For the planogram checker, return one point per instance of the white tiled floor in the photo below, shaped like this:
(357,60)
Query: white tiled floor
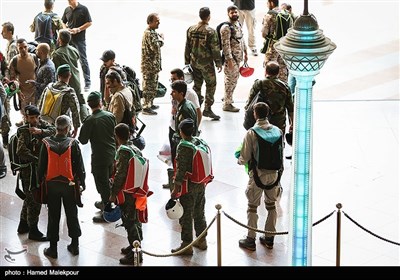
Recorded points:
(355,140)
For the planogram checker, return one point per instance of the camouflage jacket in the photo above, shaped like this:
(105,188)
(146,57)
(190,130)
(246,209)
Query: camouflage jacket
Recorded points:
(151,52)
(28,147)
(202,47)
(233,44)
(122,158)
(278,95)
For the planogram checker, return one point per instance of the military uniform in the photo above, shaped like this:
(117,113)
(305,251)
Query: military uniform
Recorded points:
(129,215)
(268,29)
(28,149)
(279,99)
(69,102)
(99,129)
(61,190)
(201,52)
(69,55)
(150,64)
(233,47)
(185,110)
(193,202)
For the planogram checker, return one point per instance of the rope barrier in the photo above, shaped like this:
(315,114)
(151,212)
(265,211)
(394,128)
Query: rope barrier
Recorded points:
(255,229)
(370,232)
(324,218)
(185,248)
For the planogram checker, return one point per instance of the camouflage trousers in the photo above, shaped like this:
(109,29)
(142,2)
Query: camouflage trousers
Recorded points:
(193,204)
(130,220)
(283,71)
(230,81)
(5,124)
(149,85)
(30,208)
(207,75)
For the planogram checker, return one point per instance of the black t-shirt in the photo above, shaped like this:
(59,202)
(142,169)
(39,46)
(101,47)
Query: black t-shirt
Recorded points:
(75,18)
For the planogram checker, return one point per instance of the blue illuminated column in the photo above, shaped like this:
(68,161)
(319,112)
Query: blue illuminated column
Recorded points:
(304,50)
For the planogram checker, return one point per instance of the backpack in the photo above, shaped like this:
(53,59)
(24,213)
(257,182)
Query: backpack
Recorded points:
(284,21)
(269,154)
(202,172)
(15,161)
(50,103)
(136,184)
(133,83)
(249,119)
(233,33)
(44,28)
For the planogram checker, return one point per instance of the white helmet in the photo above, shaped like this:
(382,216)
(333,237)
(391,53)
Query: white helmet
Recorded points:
(174,209)
(188,73)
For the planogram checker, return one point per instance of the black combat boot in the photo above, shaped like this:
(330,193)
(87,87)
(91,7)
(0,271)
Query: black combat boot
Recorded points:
(51,251)
(73,248)
(207,112)
(23,227)
(35,234)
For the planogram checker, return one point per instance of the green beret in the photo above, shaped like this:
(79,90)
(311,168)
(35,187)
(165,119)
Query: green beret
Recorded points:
(31,110)
(63,68)
(93,96)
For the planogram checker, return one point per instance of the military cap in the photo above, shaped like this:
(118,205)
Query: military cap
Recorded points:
(63,68)
(186,126)
(108,55)
(31,110)
(93,96)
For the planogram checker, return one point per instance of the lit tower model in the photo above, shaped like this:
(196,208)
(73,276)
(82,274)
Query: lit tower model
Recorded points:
(304,50)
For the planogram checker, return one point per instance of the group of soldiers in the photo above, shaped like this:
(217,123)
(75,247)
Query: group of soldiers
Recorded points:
(202,53)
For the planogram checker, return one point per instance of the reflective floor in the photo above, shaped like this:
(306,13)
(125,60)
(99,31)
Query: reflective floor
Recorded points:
(355,145)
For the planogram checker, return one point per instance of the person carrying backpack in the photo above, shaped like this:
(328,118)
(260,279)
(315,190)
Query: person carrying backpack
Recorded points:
(267,168)
(191,193)
(62,172)
(235,52)
(46,24)
(28,147)
(60,99)
(274,26)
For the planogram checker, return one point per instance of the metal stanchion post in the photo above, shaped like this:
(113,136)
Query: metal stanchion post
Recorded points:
(218,207)
(338,227)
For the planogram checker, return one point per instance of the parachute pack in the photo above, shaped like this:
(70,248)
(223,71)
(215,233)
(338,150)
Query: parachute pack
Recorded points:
(136,183)
(269,154)
(50,104)
(284,21)
(202,172)
(44,28)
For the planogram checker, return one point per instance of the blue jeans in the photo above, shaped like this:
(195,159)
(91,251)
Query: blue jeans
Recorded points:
(81,47)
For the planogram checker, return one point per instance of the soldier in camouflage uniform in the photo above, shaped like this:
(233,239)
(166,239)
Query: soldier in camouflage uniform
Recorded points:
(185,110)
(129,216)
(279,97)
(233,48)
(193,202)
(268,29)
(151,63)
(69,99)
(201,52)
(30,138)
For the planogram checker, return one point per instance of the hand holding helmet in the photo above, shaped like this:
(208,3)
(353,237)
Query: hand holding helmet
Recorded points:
(245,70)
